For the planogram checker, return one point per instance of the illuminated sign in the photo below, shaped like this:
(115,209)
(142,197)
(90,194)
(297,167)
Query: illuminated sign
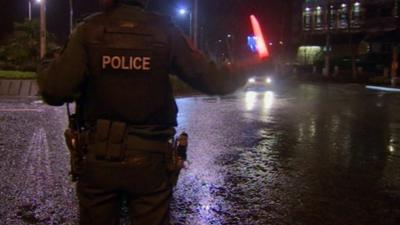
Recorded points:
(259,38)
(252,43)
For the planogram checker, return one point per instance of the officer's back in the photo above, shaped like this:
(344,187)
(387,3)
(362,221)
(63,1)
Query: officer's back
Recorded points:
(117,66)
(129,60)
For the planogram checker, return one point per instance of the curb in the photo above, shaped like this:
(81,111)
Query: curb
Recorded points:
(382,88)
(19,88)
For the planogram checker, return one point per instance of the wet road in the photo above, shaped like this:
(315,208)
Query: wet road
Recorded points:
(300,154)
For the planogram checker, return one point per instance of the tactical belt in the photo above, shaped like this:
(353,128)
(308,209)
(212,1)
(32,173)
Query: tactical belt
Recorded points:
(110,141)
(135,143)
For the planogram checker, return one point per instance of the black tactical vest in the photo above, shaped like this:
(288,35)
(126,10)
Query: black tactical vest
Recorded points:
(129,71)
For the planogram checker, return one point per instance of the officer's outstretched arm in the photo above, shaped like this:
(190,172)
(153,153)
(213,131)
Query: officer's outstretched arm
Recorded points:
(62,79)
(190,65)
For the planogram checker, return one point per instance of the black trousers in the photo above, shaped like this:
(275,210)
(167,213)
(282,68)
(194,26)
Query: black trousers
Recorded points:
(142,178)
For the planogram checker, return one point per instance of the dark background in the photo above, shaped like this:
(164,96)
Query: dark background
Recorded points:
(217,18)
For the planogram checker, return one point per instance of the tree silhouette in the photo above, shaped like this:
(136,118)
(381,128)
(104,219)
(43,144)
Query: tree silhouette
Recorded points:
(21,49)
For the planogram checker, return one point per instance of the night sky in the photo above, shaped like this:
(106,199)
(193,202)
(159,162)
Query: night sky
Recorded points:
(217,17)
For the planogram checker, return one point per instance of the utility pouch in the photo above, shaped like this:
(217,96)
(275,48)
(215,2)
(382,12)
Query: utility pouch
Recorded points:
(116,149)
(102,135)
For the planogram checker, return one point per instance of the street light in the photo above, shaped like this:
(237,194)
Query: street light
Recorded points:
(193,20)
(229,40)
(30,8)
(183,12)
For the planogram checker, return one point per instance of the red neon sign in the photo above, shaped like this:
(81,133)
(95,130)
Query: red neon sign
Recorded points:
(261,46)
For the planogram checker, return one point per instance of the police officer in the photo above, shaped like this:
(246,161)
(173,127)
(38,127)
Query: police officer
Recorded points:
(116,66)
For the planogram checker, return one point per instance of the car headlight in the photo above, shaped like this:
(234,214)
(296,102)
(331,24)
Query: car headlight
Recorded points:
(252,80)
(268,80)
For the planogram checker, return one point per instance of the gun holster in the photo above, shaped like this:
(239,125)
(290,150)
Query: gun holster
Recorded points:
(76,143)
(175,162)
(171,159)
(109,144)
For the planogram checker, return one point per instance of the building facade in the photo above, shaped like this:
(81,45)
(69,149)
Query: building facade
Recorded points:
(347,28)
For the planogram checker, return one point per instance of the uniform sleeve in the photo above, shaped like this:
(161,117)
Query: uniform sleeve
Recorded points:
(191,66)
(62,79)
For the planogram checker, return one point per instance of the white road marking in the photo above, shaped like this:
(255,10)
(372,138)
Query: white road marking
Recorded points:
(21,110)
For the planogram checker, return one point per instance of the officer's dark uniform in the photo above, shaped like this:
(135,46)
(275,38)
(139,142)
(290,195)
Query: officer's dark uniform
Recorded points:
(117,64)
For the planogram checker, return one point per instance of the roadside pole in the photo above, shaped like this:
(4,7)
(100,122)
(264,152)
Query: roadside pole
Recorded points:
(71,16)
(195,22)
(30,10)
(327,39)
(42,28)
(395,65)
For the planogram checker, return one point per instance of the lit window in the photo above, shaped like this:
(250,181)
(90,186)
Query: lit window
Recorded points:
(307,19)
(332,17)
(343,16)
(356,15)
(318,20)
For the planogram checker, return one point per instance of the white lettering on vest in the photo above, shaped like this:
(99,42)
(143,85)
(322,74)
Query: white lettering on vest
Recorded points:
(137,63)
(125,67)
(126,63)
(146,63)
(116,62)
(106,60)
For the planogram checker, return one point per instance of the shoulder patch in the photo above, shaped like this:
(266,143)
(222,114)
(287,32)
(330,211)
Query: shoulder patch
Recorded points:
(127,24)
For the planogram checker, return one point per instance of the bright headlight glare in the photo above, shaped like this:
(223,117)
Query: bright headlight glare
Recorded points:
(252,80)
(268,80)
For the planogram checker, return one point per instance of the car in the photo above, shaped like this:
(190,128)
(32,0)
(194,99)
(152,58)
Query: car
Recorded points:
(259,82)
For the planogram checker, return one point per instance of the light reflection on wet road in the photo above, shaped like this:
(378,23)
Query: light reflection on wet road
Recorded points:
(300,154)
